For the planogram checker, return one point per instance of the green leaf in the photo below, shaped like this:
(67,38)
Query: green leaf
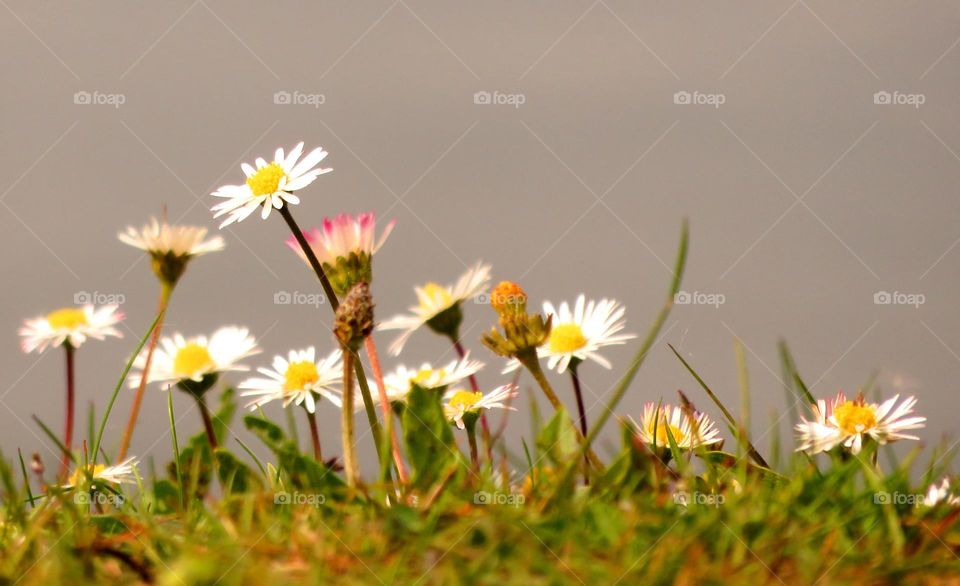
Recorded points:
(429,439)
(235,476)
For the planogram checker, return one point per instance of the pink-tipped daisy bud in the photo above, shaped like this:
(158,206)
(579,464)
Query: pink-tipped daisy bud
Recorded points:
(354,319)
(508,297)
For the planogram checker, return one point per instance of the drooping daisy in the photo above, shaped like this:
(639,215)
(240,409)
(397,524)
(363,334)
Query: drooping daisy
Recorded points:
(297,379)
(847,422)
(345,247)
(121,473)
(461,402)
(72,325)
(941,493)
(159,239)
(439,306)
(688,433)
(180,359)
(269,185)
(580,333)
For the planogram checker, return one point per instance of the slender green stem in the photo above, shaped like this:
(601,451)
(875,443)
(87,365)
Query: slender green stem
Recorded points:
(207,422)
(71,399)
(166,289)
(472,439)
(315,435)
(176,448)
(346,426)
(575,377)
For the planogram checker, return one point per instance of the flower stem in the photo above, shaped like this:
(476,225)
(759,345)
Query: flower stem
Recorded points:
(207,422)
(472,439)
(374,358)
(484,425)
(165,291)
(68,423)
(315,436)
(575,377)
(346,427)
(334,304)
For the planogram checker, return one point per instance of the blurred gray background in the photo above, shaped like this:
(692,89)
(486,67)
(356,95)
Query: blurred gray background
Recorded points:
(808,192)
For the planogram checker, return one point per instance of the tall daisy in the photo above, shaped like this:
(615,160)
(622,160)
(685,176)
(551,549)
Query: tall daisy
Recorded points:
(269,185)
(344,246)
(689,433)
(298,379)
(69,327)
(194,364)
(171,247)
(438,307)
(848,423)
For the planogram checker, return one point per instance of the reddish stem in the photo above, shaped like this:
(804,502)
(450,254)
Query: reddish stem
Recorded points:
(374,358)
(315,436)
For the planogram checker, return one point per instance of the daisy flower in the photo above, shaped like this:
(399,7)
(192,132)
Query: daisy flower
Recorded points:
(938,493)
(688,433)
(345,247)
(121,473)
(269,185)
(460,402)
(438,306)
(296,379)
(178,359)
(401,381)
(845,423)
(71,325)
(170,239)
(579,333)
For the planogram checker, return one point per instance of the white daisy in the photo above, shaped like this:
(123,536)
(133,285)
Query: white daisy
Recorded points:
(401,381)
(460,402)
(179,359)
(72,325)
(688,433)
(941,493)
(435,302)
(297,379)
(341,236)
(121,473)
(580,333)
(160,239)
(269,185)
(845,423)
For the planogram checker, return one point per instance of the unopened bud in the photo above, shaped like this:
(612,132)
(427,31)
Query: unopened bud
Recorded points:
(354,319)
(508,297)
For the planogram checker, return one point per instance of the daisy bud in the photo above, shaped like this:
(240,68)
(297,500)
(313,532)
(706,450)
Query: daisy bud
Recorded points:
(508,298)
(354,318)
(36,465)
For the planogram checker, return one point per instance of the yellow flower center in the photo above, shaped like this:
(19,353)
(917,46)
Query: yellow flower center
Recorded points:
(854,417)
(566,338)
(190,359)
(425,374)
(67,319)
(80,474)
(663,439)
(435,295)
(300,375)
(266,180)
(465,399)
